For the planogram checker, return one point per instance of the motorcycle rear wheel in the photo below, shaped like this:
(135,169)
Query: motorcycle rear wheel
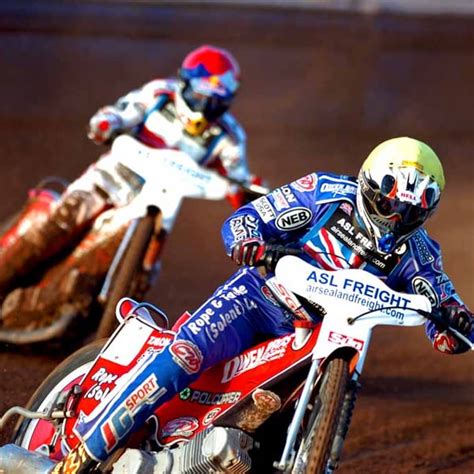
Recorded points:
(69,372)
(327,405)
(129,266)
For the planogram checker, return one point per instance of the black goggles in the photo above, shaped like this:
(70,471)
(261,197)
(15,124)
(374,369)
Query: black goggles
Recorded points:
(211,106)
(409,216)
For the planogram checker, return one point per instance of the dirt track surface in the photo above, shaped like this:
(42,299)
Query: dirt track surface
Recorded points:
(319,91)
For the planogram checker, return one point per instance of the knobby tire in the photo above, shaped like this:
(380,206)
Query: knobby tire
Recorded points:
(49,385)
(322,426)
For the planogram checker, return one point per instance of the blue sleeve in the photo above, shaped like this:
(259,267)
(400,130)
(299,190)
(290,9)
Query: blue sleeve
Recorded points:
(286,213)
(423,274)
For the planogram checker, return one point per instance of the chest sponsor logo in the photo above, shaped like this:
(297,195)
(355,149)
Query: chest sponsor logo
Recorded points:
(294,218)
(264,209)
(422,286)
(342,228)
(306,183)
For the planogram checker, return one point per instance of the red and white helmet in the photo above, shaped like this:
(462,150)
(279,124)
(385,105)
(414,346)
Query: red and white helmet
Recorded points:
(210,78)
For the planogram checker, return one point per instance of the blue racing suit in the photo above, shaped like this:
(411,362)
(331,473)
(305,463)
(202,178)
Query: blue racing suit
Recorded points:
(316,213)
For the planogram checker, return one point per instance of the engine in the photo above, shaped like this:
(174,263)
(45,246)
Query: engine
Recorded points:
(214,450)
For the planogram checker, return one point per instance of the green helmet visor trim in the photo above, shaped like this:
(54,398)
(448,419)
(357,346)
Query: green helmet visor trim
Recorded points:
(407,152)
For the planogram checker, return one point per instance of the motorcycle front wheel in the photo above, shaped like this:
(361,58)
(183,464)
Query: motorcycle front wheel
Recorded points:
(326,408)
(30,434)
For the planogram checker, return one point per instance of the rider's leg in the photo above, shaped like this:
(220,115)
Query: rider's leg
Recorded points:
(42,240)
(225,325)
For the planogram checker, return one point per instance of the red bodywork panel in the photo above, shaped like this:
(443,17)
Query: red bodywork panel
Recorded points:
(208,399)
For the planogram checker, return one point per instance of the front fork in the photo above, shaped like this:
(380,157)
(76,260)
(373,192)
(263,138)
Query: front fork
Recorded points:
(288,457)
(150,260)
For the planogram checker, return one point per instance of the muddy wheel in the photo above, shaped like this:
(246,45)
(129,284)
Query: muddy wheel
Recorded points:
(30,434)
(130,265)
(326,408)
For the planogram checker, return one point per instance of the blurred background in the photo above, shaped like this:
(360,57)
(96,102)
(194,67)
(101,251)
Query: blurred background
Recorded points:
(323,83)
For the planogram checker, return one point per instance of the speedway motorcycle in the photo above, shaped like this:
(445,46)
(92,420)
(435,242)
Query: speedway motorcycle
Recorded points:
(130,237)
(283,405)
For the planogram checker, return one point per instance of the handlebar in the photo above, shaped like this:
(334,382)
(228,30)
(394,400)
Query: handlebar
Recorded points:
(255,190)
(436,317)
(274,252)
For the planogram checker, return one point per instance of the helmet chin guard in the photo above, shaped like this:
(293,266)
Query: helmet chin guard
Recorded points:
(193,122)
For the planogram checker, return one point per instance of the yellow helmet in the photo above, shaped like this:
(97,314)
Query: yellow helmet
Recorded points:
(400,184)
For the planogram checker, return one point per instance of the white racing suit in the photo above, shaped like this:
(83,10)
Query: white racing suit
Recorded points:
(149,114)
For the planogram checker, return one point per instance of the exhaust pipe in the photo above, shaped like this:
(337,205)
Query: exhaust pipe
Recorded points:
(16,460)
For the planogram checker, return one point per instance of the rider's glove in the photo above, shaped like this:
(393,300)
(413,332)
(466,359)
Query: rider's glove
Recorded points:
(103,126)
(460,319)
(248,252)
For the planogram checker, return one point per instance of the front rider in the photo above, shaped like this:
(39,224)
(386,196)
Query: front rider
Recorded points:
(188,113)
(374,222)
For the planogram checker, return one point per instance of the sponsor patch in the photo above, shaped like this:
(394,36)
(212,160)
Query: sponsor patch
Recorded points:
(208,398)
(422,249)
(306,183)
(338,188)
(143,394)
(267,293)
(343,340)
(421,286)
(103,381)
(187,355)
(264,208)
(347,208)
(244,227)
(210,415)
(279,200)
(274,350)
(184,426)
(159,342)
(293,219)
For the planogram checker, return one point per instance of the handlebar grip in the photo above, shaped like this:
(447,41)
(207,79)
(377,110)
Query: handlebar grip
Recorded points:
(273,253)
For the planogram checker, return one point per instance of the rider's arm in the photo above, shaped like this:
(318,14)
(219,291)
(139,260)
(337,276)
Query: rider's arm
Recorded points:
(425,275)
(229,156)
(127,113)
(282,216)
